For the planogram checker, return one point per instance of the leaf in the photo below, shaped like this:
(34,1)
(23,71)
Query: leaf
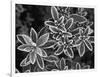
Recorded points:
(56,46)
(84,13)
(62,28)
(75,31)
(50,66)
(81,49)
(81,31)
(44,54)
(17,71)
(70,42)
(43,31)
(59,50)
(54,13)
(40,62)
(39,69)
(33,57)
(62,63)
(88,44)
(41,52)
(90,23)
(66,68)
(43,39)
(25,61)
(26,38)
(33,35)
(21,39)
(78,42)
(78,66)
(65,20)
(76,37)
(68,34)
(28,59)
(86,31)
(86,67)
(80,10)
(61,20)
(91,39)
(25,47)
(78,18)
(66,40)
(51,58)
(69,23)
(49,44)
(55,35)
(27,71)
(35,69)
(58,37)
(58,64)
(54,29)
(90,30)
(74,26)
(49,23)
(69,52)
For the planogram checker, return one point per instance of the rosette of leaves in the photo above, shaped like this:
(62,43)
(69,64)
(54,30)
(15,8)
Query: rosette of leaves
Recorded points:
(59,29)
(56,20)
(83,39)
(66,47)
(60,32)
(35,46)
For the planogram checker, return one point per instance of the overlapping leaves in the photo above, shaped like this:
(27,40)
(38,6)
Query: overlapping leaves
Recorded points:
(84,40)
(63,37)
(34,46)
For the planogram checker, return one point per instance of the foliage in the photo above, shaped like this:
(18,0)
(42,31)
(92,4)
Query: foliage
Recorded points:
(62,37)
